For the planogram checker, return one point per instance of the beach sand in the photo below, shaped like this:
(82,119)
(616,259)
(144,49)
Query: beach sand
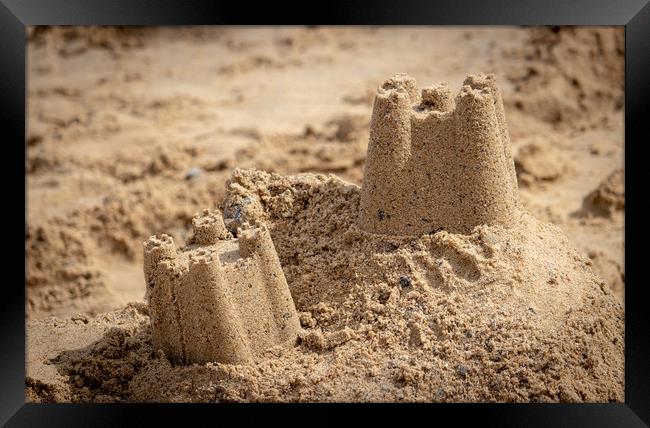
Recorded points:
(133,131)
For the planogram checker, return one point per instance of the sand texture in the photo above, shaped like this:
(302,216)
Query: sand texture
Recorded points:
(416,271)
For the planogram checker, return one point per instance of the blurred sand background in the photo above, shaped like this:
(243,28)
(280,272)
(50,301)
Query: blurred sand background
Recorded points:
(133,130)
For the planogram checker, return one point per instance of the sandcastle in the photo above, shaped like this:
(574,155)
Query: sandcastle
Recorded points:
(437,163)
(496,306)
(433,163)
(219,299)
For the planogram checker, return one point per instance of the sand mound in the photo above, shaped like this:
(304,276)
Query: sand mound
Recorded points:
(569,72)
(608,198)
(83,358)
(496,315)
(538,163)
(433,288)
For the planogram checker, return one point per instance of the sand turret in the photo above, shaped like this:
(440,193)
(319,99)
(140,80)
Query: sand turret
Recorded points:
(435,162)
(218,299)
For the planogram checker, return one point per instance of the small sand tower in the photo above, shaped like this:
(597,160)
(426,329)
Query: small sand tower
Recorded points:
(219,298)
(434,162)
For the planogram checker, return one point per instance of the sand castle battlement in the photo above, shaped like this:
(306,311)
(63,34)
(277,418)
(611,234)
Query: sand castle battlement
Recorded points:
(435,162)
(219,298)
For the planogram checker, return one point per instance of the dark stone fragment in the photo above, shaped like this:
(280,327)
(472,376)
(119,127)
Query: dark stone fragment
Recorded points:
(405,281)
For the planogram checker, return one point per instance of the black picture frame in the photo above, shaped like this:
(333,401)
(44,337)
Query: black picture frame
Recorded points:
(15,15)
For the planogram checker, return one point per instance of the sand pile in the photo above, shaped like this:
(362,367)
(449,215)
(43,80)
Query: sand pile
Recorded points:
(474,308)
(608,198)
(572,77)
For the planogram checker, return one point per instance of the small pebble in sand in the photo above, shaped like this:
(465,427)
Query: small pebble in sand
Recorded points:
(193,173)
(461,370)
(404,281)
(236,214)
(391,247)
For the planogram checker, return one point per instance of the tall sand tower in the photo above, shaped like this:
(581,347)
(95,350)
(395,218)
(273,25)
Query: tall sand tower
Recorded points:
(435,162)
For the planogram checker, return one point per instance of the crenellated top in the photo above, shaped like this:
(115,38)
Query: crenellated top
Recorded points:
(399,96)
(209,228)
(218,298)
(438,162)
